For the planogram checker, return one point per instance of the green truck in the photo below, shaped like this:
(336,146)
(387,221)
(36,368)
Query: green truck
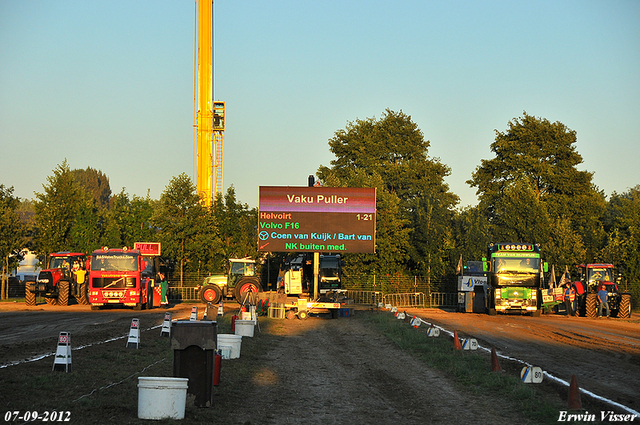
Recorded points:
(514,272)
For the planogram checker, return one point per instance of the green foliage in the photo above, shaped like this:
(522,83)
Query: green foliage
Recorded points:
(95,183)
(10,233)
(56,210)
(622,248)
(533,184)
(182,222)
(128,220)
(414,205)
(237,230)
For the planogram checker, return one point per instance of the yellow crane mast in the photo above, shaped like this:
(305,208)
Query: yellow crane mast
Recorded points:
(209,118)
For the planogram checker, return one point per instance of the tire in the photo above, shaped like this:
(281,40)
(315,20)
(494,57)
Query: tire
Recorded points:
(81,297)
(290,314)
(29,297)
(63,292)
(590,306)
(51,301)
(303,315)
(211,294)
(624,311)
(247,286)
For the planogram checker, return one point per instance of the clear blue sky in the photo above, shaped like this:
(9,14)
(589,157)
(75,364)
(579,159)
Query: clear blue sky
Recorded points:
(109,84)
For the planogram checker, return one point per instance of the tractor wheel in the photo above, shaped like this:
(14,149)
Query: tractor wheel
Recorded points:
(30,297)
(63,293)
(51,301)
(590,306)
(303,315)
(246,289)
(81,297)
(211,294)
(624,311)
(290,314)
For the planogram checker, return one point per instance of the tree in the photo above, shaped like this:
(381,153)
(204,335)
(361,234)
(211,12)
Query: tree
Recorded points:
(128,220)
(392,155)
(56,211)
(96,183)
(237,230)
(533,182)
(622,224)
(181,220)
(10,233)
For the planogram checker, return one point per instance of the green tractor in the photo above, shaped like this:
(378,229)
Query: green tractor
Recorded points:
(240,283)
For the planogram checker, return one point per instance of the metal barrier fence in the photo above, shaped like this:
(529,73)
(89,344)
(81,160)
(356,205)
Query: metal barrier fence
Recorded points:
(182,293)
(417,299)
(411,299)
(443,299)
(365,297)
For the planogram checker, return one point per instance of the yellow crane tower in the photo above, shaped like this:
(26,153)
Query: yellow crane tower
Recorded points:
(208,115)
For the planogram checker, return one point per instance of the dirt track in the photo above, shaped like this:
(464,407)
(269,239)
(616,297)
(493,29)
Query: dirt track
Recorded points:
(340,371)
(604,354)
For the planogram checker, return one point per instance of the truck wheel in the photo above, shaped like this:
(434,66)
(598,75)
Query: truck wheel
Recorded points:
(82,296)
(590,306)
(63,293)
(246,287)
(211,294)
(29,297)
(624,312)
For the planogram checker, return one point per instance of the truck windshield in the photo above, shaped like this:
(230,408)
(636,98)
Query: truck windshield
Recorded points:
(59,263)
(600,274)
(508,265)
(115,262)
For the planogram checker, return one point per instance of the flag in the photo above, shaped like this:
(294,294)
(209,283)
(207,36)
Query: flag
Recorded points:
(459,268)
(552,277)
(565,276)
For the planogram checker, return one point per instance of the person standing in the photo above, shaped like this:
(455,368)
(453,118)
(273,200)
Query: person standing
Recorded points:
(163,289)
(570,299)
(602,297)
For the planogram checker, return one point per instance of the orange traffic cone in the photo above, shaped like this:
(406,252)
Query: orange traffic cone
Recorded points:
(575,402)
(495,365)
(456,341)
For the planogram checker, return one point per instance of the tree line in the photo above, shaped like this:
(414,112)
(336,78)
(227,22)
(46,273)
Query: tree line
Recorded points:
(530,191)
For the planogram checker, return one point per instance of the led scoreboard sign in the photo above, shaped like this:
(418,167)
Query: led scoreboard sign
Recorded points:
(317,219)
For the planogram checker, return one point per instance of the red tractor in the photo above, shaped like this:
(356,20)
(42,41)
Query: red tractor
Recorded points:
(591,277)
(64,278)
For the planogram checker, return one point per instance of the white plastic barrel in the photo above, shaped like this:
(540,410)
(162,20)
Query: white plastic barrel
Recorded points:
(233,341)
(161,398)
(245,327)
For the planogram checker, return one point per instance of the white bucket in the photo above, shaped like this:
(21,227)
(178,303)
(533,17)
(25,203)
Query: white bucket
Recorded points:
(160,398)
(233,341)
(245,327)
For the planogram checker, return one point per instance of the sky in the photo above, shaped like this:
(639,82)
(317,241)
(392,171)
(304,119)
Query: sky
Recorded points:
(109,85)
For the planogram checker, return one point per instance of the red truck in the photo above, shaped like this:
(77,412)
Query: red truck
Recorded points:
(123,276)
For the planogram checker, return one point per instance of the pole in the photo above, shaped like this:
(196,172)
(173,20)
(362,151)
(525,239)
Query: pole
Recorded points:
(316,268)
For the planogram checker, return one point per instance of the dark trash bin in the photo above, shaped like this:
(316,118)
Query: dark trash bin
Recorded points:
(194,345)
